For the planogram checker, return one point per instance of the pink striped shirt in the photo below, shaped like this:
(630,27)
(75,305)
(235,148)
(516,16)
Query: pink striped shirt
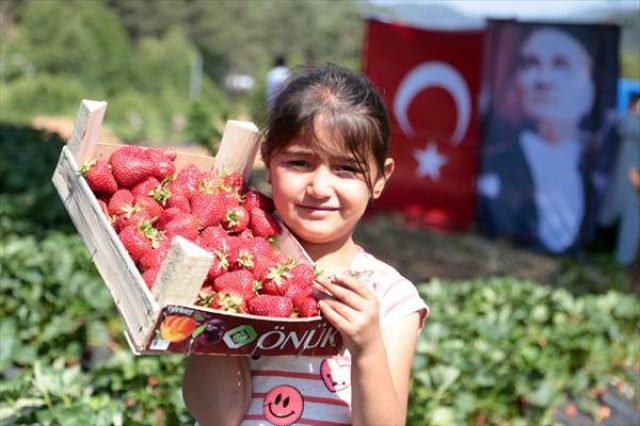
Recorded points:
(317,391)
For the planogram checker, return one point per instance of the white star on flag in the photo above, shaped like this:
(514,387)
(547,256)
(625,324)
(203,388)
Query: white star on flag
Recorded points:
(429,161)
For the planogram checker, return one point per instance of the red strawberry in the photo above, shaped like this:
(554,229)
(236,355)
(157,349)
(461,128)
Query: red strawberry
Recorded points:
(253,199)
(271,306)
(131,218)
(210,183)
(120,202)
(233,180)
(236,220)
(131,165)
(205,295)
(302,274)
(229,301)
(164,166)
(178,200)
(263,224)
(99,176)
(240,280)
(148,204)
(166,216)
(146,187)
(149,276)
(208,209)
(183,224)
(243,260)
(213,237)
(103,207)
(219,265)
(277,281)
(307,307)
(187,180)
(139,239)
(298,293)
(153,258)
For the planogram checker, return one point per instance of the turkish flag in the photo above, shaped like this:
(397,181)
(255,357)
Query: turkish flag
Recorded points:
(430,81)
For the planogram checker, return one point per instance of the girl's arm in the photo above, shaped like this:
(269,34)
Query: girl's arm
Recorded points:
(217,389)
(381,360)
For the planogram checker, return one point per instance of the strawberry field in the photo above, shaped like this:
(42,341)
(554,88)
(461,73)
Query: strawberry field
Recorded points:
(494,350)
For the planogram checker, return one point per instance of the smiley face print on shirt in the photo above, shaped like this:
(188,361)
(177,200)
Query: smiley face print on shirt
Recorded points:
(336,374)
(283,405)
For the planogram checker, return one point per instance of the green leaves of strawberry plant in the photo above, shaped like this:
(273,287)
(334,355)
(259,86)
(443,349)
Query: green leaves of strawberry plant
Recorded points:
(507,351)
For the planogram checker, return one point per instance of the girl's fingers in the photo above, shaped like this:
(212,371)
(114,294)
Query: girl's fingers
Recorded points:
(344,285)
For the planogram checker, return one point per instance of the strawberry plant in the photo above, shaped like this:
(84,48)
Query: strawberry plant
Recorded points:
(506,351)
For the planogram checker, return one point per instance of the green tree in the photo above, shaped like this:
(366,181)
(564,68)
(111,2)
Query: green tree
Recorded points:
(83,39)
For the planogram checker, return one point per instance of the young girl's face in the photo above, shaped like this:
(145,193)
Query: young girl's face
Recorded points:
(320,197)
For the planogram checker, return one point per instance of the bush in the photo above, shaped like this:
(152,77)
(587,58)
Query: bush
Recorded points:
(507,351)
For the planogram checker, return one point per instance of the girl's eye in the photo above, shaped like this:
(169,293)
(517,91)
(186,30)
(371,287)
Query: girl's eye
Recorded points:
(297,163)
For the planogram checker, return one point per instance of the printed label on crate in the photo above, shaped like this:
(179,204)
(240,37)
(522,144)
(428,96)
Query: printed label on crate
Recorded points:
(199,331)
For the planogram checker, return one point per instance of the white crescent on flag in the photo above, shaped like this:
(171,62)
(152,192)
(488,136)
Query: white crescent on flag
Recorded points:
(434,74)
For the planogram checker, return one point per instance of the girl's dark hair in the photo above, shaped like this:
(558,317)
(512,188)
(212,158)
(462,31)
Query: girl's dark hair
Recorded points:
(350,107)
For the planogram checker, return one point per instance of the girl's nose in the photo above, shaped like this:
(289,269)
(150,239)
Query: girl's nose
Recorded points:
(320,183)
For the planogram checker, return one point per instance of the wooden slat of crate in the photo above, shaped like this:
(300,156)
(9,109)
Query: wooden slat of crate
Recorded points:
(130,294)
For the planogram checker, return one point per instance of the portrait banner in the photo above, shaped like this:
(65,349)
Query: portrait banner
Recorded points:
(430,81)
(548,131)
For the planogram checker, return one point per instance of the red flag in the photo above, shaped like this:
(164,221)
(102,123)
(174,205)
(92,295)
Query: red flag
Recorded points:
(430,81)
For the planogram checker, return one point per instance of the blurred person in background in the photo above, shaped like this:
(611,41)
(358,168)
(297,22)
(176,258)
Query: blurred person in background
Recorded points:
(533,184)
(276,77)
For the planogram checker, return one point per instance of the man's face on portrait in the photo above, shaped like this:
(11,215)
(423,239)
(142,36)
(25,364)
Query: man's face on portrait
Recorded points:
(554,77)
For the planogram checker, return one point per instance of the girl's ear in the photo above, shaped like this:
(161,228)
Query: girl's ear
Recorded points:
(378,186)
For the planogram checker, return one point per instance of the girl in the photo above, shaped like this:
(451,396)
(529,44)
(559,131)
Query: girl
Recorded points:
(325,150)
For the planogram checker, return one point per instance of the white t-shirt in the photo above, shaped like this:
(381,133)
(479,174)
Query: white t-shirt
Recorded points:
(316,390)
(275,78)
(559,194)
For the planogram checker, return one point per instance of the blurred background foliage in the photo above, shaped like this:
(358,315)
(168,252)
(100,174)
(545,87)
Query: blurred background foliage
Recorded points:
(160,64)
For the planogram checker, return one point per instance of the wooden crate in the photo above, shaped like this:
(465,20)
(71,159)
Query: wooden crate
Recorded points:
(165,320)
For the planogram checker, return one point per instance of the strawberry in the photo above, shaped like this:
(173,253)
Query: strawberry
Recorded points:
(103,207)
(187,180)
(183,224)
(270,306)
(153,258)
(263,224)
(149,276)
(213,237)
(205,295)
(178,200)
(229,301)
(148,204)
(243,260)
(146,187)
(139,239)
(277,281)
(120,202)
(208,209)
(302,274)
(236,220)
(253,199)
(210,183)
(233,180)
(163,164)
(307,307)
(166,216)
(99,176)
(133,217)
(219,265)
(241,281)
(131,165)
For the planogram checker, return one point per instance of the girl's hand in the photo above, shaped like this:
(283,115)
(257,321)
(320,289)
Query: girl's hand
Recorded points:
(353,310)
